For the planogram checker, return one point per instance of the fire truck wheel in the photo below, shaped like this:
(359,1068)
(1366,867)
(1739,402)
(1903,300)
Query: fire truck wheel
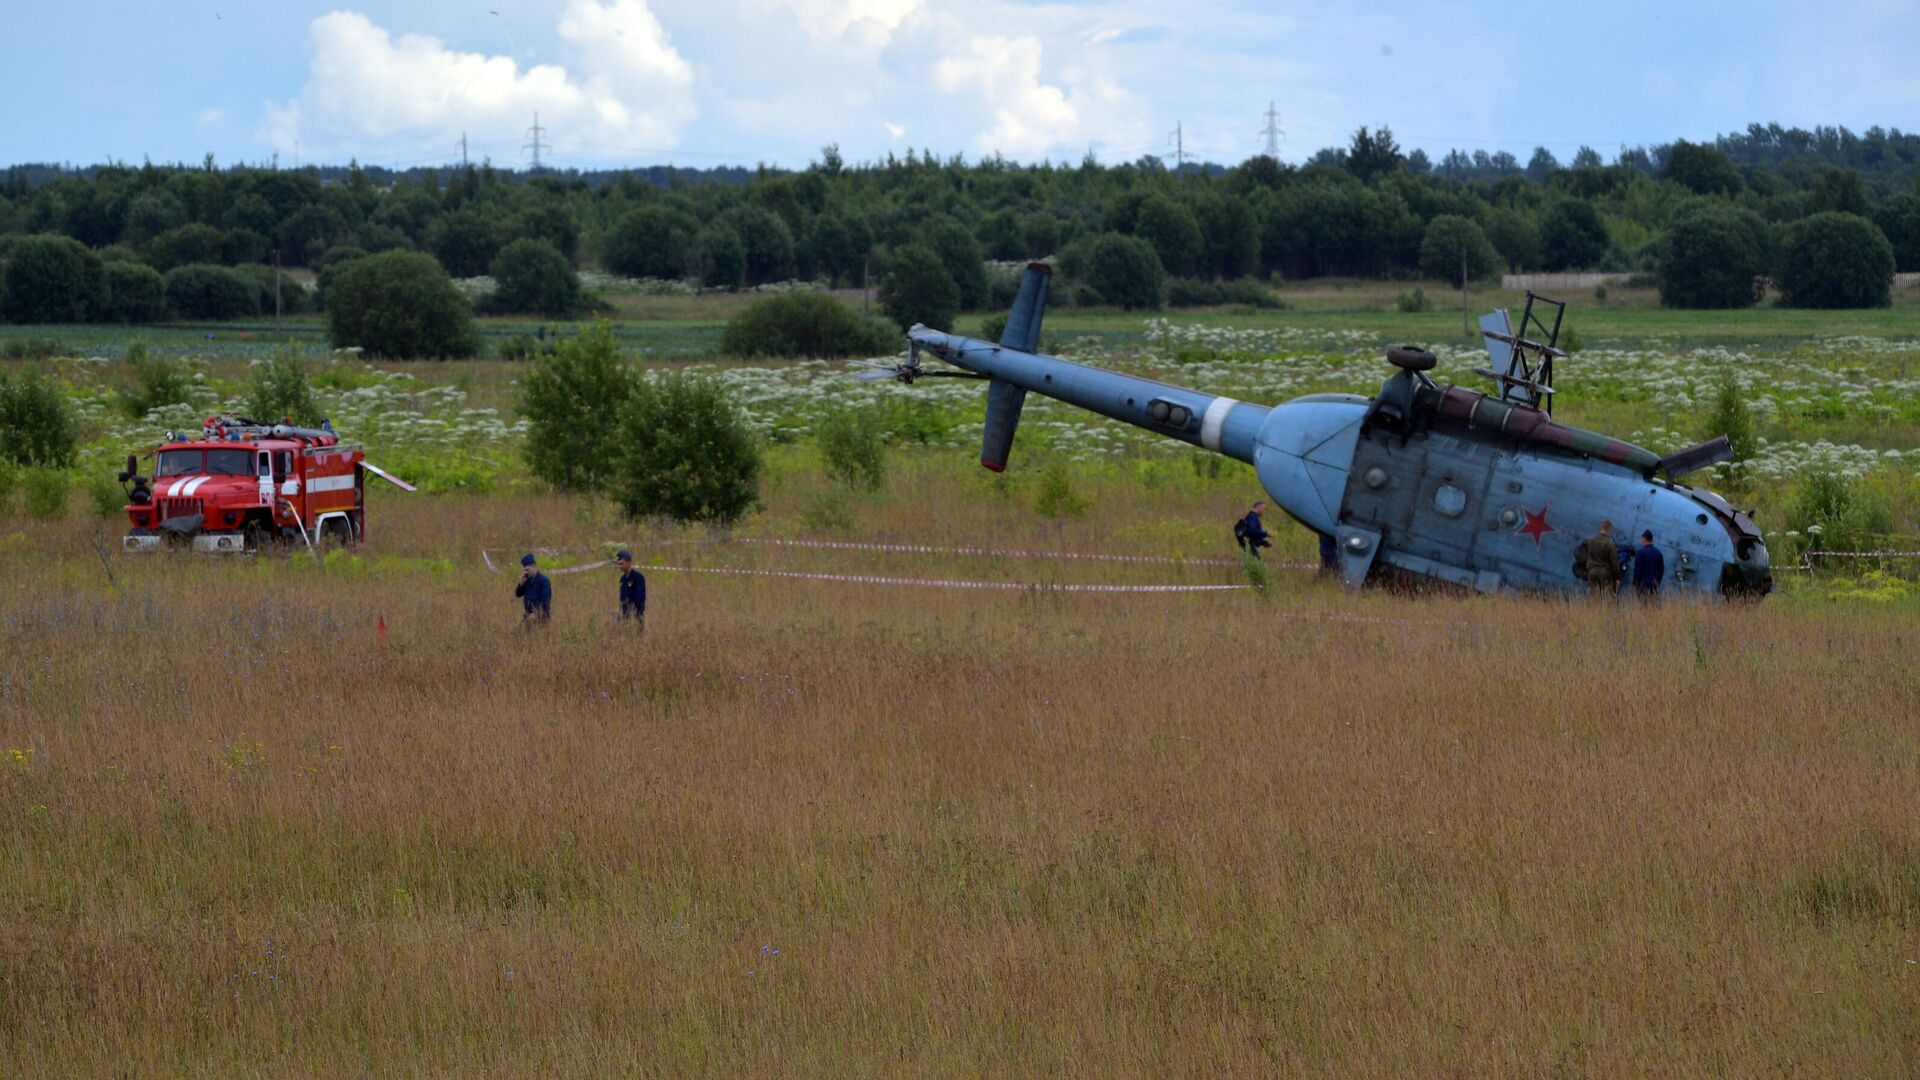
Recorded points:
(335,533)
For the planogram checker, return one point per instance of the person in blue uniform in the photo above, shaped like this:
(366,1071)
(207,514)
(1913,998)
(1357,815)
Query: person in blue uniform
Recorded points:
(1649,567)
(535,592)
(1251,534)
(633,591)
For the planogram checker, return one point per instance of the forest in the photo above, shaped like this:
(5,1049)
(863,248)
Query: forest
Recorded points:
(1824,218)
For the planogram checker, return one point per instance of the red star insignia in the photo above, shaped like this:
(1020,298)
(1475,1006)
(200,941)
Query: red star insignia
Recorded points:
(1536,525)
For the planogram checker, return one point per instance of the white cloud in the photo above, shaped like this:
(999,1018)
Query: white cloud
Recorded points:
(872,21)
(366,86)
(1029,116)
(895,131)
(212,118)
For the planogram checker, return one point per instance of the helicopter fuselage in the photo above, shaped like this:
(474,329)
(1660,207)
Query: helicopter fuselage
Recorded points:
(1433,481)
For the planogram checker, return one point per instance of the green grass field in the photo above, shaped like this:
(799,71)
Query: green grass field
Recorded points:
(810,826)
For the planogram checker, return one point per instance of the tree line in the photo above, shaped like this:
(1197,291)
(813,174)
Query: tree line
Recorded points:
(1821,214)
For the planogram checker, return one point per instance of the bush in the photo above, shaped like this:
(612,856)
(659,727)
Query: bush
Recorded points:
(187,245)
(917,288)
(854,448)
(1188,293)
(1836,516)
(37,426)
(32,348)
(1251,293)
(399,304)
(687,452)
(533,278)
(828,511)
(294,297)
(211,292)
(1836,260)
(46,493)
(810,324)
(1126,271)
(651,242)
(1730,417)
(526,347)
(135,293)
(331,263)
(1410,303)
(160,381)
(1713,257)
(53,279)
(572,399)
(1057,499)
(280,392)
(1448,236)
(106,498)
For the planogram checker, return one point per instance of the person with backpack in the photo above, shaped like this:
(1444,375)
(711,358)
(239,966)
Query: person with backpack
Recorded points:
(1249,533)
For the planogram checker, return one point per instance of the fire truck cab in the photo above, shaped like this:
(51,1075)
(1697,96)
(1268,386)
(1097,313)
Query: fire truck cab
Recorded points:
(241,485)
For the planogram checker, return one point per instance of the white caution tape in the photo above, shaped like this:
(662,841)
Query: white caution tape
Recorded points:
(927,549)
(995,553)
(938,583)
(584,567)
(1009,586)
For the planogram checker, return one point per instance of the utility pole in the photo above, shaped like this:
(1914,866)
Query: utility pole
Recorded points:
(1272,132)
(276,292)
(535,145)
(1466,321)
(1179,148)
(463,145)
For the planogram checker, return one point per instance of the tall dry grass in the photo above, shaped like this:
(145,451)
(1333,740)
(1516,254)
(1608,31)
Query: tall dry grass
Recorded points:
(813,829)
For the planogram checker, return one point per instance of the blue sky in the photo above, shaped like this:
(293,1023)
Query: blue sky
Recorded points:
(705,82)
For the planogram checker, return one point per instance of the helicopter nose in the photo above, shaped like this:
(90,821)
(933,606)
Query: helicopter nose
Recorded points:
(1303,455)
(1751,573)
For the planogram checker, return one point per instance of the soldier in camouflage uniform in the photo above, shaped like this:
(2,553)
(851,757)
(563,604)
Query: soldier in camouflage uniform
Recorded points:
(1600,558)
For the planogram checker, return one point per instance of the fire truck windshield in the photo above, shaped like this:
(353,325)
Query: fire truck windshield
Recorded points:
(234,462)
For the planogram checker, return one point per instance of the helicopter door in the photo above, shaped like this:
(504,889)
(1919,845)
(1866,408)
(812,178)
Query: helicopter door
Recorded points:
(1447,510)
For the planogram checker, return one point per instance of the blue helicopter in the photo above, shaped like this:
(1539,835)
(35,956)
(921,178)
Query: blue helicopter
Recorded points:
(1422,480)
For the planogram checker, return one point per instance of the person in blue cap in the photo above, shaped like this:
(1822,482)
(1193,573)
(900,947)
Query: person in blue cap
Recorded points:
(633,590)
(535,592)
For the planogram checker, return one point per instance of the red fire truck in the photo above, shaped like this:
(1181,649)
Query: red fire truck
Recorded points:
(242,485)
